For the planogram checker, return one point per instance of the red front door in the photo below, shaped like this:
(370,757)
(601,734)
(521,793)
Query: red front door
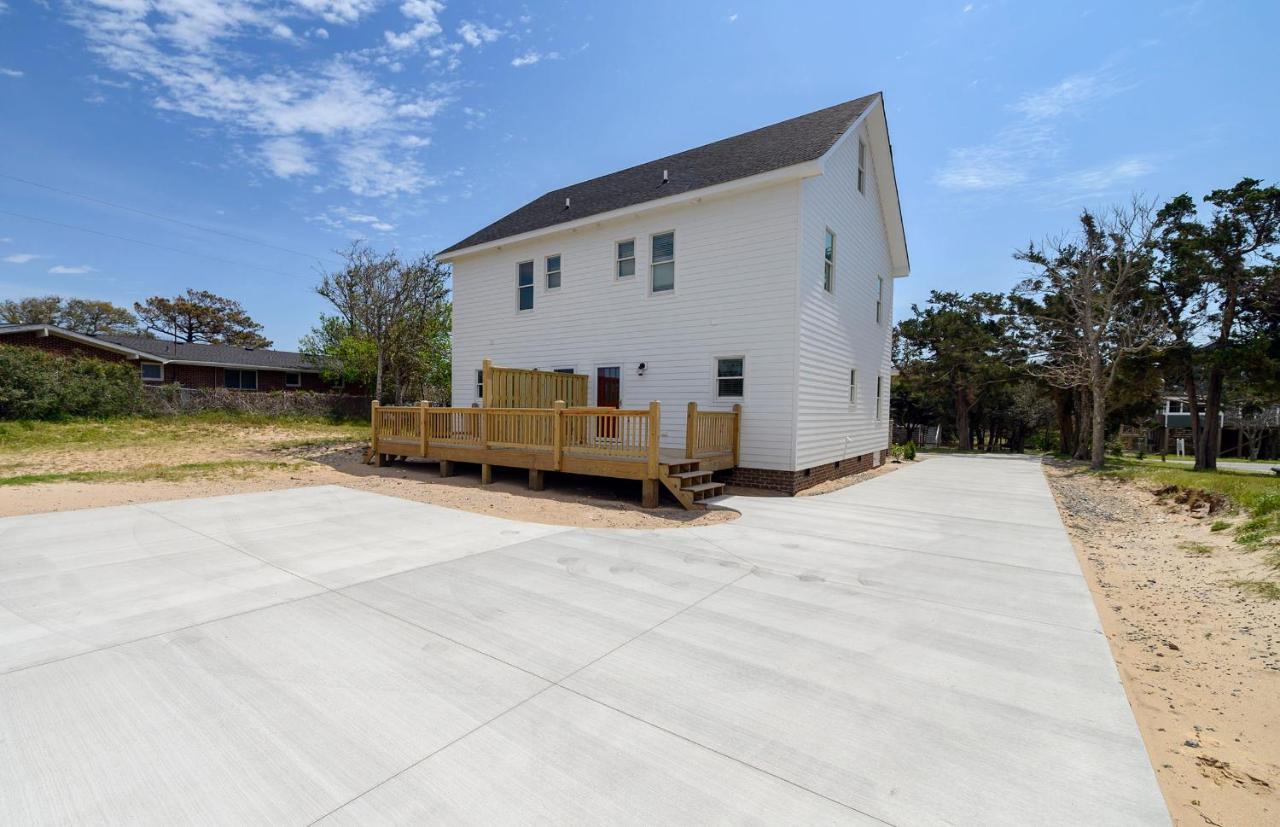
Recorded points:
(608,395)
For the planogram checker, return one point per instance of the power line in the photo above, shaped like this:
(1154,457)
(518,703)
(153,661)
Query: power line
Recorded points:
(148,243)
(158,216)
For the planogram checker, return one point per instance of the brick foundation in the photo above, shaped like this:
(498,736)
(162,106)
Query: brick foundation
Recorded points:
(792,482)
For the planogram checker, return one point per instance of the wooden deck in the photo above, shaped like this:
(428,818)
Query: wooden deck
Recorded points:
(604,442)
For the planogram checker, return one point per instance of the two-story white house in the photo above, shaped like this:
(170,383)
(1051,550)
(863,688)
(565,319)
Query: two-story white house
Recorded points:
(757,270)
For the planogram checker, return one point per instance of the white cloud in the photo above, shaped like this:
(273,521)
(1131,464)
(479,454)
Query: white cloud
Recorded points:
(282,31)
(1023,151)
(338,11)
(414,142)
(22,258)
(476,34)
(532,58)
(68,270)
(733,18)
(11,73)
(287,157)
(319,33)
(968,7)
(346,220)
(426,13)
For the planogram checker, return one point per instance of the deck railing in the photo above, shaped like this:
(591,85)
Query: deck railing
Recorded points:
(519,388)
(609,434)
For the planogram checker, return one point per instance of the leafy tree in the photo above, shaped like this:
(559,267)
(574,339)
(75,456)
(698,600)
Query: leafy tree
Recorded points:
(35,310)
(201,316)
(1087,310)
(957,344)
(396,310)
(92,316)
(1217,279)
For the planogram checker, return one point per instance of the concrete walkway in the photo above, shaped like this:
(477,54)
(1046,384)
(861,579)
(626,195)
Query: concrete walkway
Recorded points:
(917,649)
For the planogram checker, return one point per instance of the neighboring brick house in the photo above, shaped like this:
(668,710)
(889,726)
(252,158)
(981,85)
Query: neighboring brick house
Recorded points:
(189,365)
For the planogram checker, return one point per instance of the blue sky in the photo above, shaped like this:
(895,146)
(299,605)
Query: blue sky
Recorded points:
(248,139)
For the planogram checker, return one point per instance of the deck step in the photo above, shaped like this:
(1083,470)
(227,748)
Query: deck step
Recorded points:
(705,486)
(690,475)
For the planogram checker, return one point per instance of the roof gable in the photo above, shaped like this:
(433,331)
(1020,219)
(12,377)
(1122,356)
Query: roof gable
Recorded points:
(769,148)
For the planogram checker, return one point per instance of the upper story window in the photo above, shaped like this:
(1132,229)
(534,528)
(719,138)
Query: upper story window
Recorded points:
(879,299)
(879,396)
(829,261)
(524,285)
(245,380)
(293,380)
(479,385)
(553,272)
(730,376)
(662,265)
(862,166)
(853,386)
(626,258)
(152,372)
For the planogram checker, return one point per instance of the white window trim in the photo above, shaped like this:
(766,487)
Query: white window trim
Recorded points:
(289,384)
(715,378)
(672,291)
(829,286)
(479,385)
(146,378)
(547,271)
(634,259)
(880,300)
(533,284)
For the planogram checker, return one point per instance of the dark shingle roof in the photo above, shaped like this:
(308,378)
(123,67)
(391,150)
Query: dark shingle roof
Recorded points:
(216,354)
(762,150)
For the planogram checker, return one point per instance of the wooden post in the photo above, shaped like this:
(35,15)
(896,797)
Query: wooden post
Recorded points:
(690,430)
(649,493)
(373,433)
(655,435)
(737,433)
(422,429)
(446,468)
(537,479)
(486,380)
(557,437)
(486,473)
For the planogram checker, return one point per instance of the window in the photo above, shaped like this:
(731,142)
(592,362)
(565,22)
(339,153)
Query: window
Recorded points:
(853,386)
(879,395)
(152,372)
(479,385)
(293,380)
(879,299)
(563,370)
(862,166)
(524,286)
(244,380)
(729,378)
(553,272)
(662,264)
(829,261)
(626,258)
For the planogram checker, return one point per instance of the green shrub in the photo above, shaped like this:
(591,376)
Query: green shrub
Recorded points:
(1115,449)
(35,384)
(909,450)
(1141,454)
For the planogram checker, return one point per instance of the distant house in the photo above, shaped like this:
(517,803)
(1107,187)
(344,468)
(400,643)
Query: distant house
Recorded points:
(162,361)
(756,270)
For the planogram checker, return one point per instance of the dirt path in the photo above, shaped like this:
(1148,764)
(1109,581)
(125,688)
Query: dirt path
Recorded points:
(1200,659)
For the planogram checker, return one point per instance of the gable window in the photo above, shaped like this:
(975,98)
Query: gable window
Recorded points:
(152,372)
(626,256)
(243,380)
(293,380)
(829,261)
(879,395)
(853,386)
(662,265)
(862,166)
(879,299)
(553,272)
(524,286)
(730,376)
(479,385)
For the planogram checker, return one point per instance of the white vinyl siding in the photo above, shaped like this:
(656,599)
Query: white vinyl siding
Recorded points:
(553,272)
(738,270)
(625,258)
(662,262)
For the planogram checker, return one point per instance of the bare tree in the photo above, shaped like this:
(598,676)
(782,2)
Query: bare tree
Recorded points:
(393,304)
(1087,309)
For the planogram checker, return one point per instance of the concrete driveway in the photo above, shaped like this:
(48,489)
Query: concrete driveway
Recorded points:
(920,648)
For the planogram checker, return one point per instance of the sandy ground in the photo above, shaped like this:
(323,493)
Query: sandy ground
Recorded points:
(1200,659)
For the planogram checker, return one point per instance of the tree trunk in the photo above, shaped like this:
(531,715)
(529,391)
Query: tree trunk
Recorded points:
(377,386)
(1084,418)
(1098,453)
(1193,405)
(1066,428)
(1207,455)
(964,437)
